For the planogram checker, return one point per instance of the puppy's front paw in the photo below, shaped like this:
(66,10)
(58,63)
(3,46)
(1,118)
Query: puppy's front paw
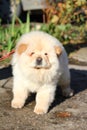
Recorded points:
(17,103)
(40,110)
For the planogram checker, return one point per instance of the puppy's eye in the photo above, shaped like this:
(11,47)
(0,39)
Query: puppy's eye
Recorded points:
(31,53)
(45,54)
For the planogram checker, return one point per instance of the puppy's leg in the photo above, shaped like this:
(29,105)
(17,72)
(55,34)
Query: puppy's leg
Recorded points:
(65,84)
(44,98)
(67,91)
(20,93)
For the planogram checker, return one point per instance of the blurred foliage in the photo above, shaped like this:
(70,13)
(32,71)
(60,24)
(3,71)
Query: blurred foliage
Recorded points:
(67,33)
(66,11)
(67,20)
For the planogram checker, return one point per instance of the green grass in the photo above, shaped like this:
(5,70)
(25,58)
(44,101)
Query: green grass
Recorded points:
(9,34)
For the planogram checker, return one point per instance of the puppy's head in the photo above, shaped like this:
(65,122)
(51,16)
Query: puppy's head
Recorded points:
(37,56)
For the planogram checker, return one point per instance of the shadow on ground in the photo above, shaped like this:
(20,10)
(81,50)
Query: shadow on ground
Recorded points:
(78,80)
(78,84)
(5,72)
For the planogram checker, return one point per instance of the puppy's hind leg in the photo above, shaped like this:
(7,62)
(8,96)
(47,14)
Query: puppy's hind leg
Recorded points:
(65,85)
(67,91)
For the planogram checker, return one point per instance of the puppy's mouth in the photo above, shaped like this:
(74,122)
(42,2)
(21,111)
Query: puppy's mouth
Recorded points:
(38,67)
(40,63)
(41,67)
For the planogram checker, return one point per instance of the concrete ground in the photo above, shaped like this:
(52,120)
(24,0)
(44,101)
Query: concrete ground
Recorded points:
(79,57)
(64,114)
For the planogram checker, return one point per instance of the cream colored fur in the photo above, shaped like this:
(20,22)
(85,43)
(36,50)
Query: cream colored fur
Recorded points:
(43,79)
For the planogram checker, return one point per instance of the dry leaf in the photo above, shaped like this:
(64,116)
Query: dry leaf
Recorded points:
(63,114)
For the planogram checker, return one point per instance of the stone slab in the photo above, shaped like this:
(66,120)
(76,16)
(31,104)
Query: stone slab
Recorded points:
(79,57)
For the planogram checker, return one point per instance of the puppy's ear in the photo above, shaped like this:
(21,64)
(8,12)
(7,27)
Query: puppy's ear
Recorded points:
(58,50)
(21,48)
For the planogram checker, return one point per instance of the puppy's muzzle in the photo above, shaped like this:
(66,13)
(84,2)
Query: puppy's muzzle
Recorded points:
(39,61)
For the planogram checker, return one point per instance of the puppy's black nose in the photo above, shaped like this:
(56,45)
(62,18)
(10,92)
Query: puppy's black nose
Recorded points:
(39,60)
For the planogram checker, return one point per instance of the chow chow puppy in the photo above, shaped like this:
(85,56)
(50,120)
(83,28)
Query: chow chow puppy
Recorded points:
(39,64)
